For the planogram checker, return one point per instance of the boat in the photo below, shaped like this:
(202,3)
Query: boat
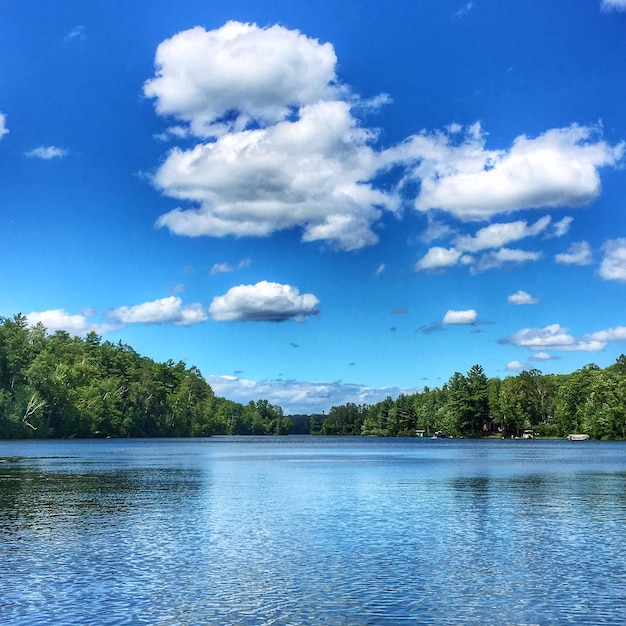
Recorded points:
(439,435)
(579,437)
(528,434)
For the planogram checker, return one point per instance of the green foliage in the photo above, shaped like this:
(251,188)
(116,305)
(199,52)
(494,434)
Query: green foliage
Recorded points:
(590,400)
(62,386)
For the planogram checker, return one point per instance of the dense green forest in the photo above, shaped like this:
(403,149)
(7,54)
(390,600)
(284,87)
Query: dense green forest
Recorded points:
(55,385)
(61,386)
(590,400)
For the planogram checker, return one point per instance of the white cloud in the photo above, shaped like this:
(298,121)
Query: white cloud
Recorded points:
(309,173)
(47,152)
(498,235)
(542,356)
(557,168)
(460,317)
(608,335)
(77,33)
(59,319)
(265,301)
(522,297)
(555,337)
(300,397)
(221,268)
(562,226)
(170,310)
(579,253)
(466,8)
(613,266)
(219,80)
(613,5)
(515,366)
(498,258)
(438,258)
(3,125)
(380,269)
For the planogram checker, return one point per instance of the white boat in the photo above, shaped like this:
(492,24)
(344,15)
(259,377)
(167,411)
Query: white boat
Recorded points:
(578,437)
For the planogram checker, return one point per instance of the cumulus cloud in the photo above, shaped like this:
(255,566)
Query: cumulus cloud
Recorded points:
(59,319)
(263,302)
(47,153)
(220,80)
(309,173)
(613,5)
(170,310)
(469,249)
(555,337)
(460,317)
(579,253)
(558,168)
(301,397)
(522,297)
(515,366)
(438,258)
(3,125)
(280,147)
(613,266)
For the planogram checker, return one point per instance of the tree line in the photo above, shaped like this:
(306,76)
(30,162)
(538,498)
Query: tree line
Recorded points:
(590,400)
(55,385)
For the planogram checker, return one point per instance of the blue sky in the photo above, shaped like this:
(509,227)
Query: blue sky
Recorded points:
(319,203)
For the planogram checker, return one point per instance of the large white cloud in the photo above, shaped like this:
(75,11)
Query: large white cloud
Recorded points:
(311,172)
(263,302)
(281,147)
(461,176)
(221,79)
(613,266)
(170,310)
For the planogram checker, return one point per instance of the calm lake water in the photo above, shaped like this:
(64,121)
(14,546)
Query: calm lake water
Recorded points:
(305,530)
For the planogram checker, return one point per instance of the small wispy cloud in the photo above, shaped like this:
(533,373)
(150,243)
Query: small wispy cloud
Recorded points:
(46,153)
(3,125)
(613,5)
(466,8)
(579,253)
(222,268)
(78,33)
(380,269)
(522,297)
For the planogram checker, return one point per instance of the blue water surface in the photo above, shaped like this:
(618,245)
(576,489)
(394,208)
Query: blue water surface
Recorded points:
(312,530)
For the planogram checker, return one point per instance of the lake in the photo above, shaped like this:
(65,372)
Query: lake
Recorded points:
(312,530)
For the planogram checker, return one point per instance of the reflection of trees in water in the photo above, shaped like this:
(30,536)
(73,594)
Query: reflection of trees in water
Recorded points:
(36,499)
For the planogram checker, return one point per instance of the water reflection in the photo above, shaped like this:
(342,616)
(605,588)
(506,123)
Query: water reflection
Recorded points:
(299,531)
